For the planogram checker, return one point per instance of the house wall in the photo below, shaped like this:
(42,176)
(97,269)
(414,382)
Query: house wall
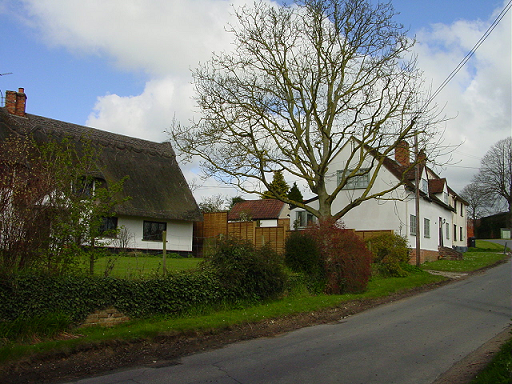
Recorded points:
(459,219)
(179,234)
(392,212)
(268,223)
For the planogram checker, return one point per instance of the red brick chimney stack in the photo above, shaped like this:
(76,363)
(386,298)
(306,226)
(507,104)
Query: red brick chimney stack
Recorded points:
(15,102)
(402,154)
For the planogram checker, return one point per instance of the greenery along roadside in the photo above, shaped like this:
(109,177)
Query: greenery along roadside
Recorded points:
(485,254)
(213,318)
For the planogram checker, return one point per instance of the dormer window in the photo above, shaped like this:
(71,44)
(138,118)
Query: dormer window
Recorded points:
(424,186)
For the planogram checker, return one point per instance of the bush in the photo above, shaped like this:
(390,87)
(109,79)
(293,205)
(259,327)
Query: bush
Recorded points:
(345,259)
(390,254)
(33,300)
(302,254)
(246,272)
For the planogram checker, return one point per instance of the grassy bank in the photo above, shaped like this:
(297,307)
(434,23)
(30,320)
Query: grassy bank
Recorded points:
(206,320)
(485,254)
(210,320)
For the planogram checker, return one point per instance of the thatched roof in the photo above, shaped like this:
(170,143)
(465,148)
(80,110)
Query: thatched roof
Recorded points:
(156,186)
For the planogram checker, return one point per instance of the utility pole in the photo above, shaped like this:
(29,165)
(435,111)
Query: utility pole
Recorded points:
(417,200)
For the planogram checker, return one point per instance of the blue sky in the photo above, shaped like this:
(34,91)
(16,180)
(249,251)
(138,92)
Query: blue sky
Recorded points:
(124,65)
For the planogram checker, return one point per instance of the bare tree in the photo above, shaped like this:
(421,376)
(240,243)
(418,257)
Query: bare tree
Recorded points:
(304,79)
(495,175)
(215,203)
(479,203)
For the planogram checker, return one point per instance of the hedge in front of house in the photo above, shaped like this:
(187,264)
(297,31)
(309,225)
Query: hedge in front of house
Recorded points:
(29,296)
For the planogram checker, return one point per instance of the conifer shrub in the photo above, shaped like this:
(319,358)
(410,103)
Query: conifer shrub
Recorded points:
(245,272)
(390,254)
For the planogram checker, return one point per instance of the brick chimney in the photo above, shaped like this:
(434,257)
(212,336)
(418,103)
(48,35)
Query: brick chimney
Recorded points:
(402,155)
(15,102)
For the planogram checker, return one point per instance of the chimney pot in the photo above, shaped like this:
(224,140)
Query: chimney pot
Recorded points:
(15,102)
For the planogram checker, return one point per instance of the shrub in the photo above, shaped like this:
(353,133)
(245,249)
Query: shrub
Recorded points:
(390,254)
(33,300)
(302,254)
(246,272)
(346,260)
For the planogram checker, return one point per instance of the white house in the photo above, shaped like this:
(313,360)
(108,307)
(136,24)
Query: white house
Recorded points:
(159,196)
(442,211)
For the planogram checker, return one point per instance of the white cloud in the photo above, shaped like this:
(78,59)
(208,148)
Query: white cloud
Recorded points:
(166,38)
(479,96)
(146,115)
(156,36)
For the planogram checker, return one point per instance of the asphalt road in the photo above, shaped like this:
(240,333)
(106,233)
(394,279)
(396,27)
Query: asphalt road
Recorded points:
(411,341)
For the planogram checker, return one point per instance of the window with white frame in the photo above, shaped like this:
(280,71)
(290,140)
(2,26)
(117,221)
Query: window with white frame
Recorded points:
(454,232)
(304,219)
(361,181)
(447,231)
(412,225)
(461,233)
(426,228)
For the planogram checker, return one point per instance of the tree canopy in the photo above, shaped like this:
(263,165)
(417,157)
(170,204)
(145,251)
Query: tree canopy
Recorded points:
(301,82)
(495,174)
(278,187)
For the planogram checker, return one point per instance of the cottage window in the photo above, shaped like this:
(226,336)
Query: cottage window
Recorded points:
(447,231)
(360,181)
(424,186)
(304,219)
(461,237)
(413,225)
(454,232)
(152,230)
(426,227)
(461,209)
(108,227)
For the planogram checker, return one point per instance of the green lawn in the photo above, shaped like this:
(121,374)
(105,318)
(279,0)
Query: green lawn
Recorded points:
(139,266)
(486,253)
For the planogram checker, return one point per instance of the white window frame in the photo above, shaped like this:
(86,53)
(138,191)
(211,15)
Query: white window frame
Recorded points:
(412,225)
(426,228)
(356,182)
(304,219)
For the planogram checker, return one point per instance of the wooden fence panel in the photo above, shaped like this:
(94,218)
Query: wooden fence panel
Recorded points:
(216,225)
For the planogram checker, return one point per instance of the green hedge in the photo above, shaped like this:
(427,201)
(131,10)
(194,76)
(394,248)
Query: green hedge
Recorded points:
(29,296)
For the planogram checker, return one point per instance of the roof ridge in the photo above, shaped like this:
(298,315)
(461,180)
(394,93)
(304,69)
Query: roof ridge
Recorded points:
(32,123)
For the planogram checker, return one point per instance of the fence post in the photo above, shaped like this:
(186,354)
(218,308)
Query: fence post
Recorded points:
(164,251)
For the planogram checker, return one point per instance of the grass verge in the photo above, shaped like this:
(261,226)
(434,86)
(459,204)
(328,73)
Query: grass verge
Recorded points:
(212,320)
(499,370)
(209,320)
(486,254)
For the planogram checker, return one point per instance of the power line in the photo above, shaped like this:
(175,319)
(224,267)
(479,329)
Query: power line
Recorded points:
(493,25)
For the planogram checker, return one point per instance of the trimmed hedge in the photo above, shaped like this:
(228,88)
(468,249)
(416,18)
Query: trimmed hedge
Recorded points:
(29,296)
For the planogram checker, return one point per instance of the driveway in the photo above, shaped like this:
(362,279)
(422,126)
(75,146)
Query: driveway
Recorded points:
(412,341)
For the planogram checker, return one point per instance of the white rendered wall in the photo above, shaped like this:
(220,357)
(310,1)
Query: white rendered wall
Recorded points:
(179,234)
